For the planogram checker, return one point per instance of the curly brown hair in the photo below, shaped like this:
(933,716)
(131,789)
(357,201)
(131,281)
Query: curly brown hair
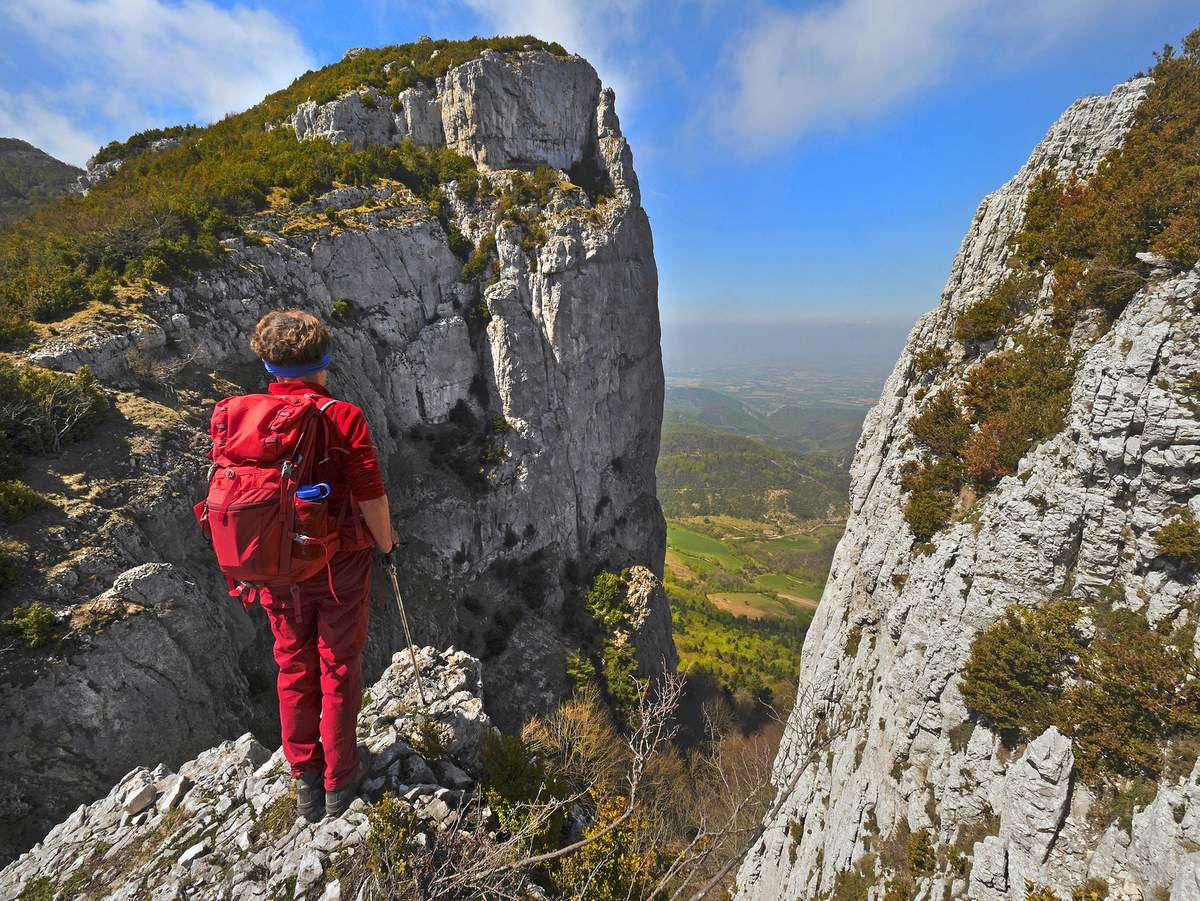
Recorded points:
(290,338)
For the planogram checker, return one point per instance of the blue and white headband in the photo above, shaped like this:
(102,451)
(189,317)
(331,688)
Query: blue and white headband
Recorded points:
(302,369)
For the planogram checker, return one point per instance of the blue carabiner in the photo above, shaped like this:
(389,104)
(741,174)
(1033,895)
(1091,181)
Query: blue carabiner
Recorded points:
(317,492)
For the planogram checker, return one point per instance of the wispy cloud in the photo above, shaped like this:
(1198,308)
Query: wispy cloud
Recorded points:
(837,63)
(122,65)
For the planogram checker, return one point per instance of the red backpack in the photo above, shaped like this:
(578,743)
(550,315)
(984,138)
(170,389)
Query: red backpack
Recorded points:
(263,535)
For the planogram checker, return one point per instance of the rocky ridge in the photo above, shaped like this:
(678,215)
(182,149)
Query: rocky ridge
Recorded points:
(517,419)
(224,824)
(894,627)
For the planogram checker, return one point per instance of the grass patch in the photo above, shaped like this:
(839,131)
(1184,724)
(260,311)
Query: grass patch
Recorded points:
(18,500)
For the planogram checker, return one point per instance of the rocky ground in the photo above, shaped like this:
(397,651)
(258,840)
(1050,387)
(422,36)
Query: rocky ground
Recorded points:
(224,825)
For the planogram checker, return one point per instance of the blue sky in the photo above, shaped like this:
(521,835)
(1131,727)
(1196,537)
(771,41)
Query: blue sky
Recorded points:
(799,161)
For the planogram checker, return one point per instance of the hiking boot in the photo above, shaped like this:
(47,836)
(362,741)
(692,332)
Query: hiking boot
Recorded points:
(310,795)
(337,802)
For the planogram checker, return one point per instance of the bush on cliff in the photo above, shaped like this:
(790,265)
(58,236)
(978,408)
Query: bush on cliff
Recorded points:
(42,410)
(1123,696)
(1011,401)
(33,623)
(1180,538)
(1015,675)
(1135,690)
(989,315)
(18,500)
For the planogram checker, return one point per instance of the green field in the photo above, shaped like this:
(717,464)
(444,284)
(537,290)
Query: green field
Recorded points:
(697,549)
(742,595)
(751,531)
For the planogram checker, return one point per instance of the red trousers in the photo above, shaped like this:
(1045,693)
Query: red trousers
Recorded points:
(318,645)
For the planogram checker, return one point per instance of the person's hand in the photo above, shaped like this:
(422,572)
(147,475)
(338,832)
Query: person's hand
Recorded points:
(392,544)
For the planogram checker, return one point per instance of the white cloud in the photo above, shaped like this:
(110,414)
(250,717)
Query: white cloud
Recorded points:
(120,65)
(593,28)
(33,119)
(794,72)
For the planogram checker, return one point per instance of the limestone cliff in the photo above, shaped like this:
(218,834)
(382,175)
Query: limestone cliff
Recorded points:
(516,409)
(897,623)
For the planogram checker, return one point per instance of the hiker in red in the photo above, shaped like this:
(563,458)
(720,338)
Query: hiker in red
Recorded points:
(320,623)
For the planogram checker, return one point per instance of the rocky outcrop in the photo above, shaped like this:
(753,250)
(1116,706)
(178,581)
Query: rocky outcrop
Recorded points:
(96,172)
(895,626)
(224,825)
(517,418)
(650,623)
(505,111)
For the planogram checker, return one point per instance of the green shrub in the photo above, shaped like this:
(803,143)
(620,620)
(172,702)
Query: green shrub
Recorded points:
(941,426)
(477,263)
(928,512)
(613,866)
(18,500)
(516,781)
(32,623)
(606,601)
(620,674)
(1180,538)
(11,571)
(39,888)
(996,310)
(931,359)
(922,858)
(1014,677)
(1135,689)
(340,311)
(43,410)
(391,823)
(1032,381)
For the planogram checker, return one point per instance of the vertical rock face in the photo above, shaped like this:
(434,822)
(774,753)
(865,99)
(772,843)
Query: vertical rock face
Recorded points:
(894,627)
(517,419)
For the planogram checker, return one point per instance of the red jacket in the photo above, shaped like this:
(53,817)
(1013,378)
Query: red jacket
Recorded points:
(351,468)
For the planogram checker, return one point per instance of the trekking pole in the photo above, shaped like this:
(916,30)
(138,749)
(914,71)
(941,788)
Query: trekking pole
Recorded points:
(389,563)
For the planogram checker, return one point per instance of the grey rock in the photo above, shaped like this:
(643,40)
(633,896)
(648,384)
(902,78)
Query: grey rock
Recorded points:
(173,790)
(194,852)
(312,867)
(252,857)
(139,798)
(1186,885)
(417,770)
(1081,512)
(451,775)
